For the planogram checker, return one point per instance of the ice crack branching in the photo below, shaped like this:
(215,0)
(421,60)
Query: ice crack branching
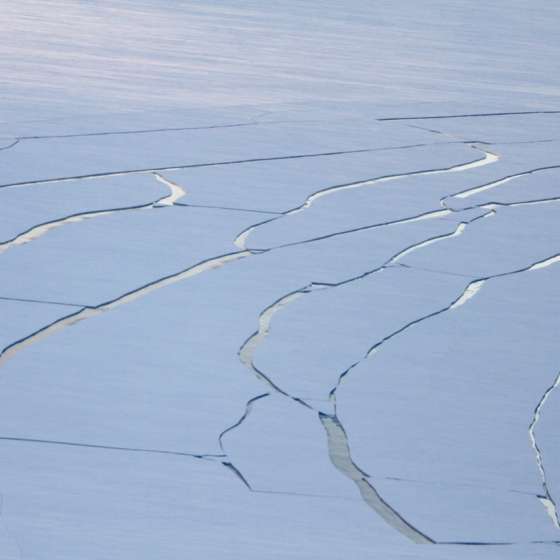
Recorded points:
(471,290)
(489,157)
(249,347)
(339,450)
(430,215)
(338,443)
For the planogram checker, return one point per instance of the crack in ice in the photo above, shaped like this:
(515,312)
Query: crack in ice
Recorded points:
(468,115)
(247,350)
(339,453)
(248,408)
(93,311)
(489,157)
(109,447)
(546,499)
(11,145)
(342,461)
(178,167)
(36,231)
(481,188)
(468,293)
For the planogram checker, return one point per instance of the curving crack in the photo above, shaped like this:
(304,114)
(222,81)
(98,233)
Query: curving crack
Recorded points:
(88,312)
(339,450)
(337,439)
(338,442)
(36,231)
(489,157)
(394,259)
(546,499)
(237,473)
(229,464)
(248,408)
(41,229)
(430,215)
(177,192)
(339,453)
(10,145)
(475,190)
(472,288)
(247,350)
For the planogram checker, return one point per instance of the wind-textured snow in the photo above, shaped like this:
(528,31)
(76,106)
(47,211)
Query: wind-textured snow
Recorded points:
(279,280)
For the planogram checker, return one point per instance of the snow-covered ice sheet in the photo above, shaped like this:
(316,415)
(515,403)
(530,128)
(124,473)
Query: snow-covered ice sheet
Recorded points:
(179,363)
(469,399)
(279,280)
